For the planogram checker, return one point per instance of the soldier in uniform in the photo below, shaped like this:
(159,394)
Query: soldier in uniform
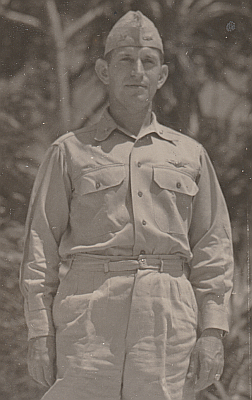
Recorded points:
(127,267)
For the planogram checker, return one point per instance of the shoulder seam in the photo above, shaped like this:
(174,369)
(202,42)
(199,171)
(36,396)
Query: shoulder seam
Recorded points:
(182,135)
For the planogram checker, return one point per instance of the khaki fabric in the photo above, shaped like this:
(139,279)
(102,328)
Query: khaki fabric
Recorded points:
(123,335)
(133,29)
(103,191)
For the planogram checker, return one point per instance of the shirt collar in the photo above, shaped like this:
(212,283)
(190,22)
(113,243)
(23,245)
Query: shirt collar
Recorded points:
(107,125)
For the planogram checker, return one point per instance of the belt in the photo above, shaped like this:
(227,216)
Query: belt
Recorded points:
(163,263)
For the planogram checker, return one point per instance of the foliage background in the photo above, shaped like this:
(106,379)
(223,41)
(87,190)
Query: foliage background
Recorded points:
(48,85)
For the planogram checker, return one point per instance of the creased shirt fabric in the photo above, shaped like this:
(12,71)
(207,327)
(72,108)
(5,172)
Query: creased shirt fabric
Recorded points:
(103,191)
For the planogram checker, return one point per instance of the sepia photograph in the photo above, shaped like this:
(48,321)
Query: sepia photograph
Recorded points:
(125,199)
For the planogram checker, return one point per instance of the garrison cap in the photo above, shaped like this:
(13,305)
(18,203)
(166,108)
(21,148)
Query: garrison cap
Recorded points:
(133,29)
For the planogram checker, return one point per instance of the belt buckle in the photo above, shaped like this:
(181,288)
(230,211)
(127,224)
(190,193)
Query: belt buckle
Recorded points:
(144,265)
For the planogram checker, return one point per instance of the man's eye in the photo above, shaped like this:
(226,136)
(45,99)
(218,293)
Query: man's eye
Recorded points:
(148,61)
(126,58)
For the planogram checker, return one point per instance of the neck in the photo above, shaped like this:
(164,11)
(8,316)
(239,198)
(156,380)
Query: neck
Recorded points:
(131,121)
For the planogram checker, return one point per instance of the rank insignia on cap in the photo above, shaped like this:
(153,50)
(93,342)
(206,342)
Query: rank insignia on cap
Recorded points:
(135,30)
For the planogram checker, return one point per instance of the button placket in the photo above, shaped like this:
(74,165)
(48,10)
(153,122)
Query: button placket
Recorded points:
(136,173)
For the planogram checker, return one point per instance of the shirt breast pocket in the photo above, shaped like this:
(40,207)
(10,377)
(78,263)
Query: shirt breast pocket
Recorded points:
(173,192)
(99,201)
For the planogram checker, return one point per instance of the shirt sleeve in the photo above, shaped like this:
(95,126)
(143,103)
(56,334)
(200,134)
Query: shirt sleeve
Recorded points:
(47,220)
(210,239)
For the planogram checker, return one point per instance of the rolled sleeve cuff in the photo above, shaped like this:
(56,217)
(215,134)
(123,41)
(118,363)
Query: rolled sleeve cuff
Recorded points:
(214,315)
(39,323)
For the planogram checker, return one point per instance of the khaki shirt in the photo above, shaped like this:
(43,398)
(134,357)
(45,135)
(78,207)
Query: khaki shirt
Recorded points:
(103,191)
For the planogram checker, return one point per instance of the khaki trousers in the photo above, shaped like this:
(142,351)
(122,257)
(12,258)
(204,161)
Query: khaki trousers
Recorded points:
(125,329)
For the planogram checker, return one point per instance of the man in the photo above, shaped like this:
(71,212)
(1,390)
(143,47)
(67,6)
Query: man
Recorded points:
(128,246)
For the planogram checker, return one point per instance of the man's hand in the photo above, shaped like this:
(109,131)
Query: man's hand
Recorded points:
(207,359)
(42,359)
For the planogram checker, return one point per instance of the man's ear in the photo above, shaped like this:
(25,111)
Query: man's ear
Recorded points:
(163,75)
(101,68)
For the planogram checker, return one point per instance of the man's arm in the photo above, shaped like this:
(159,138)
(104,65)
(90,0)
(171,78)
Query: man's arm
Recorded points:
(211,243)
(46,221)
(211,275)
(42,360)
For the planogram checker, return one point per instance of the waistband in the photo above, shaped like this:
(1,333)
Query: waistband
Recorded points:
(161,263)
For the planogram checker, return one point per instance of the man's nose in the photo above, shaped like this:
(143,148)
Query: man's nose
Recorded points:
(138,68)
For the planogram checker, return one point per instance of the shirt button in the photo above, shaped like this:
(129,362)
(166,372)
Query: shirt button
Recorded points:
(143,222)
(140,194)
(178,185)
(97,185)
(139,164)
(142,252)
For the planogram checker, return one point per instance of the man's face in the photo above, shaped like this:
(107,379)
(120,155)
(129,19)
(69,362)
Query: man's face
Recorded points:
(134,75)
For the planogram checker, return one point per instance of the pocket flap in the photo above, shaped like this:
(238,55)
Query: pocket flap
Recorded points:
(100,179)
(169,179)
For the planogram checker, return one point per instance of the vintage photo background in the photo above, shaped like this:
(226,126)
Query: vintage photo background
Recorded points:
(48,86)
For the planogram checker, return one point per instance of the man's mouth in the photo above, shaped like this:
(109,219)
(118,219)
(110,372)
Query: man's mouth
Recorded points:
(135,85)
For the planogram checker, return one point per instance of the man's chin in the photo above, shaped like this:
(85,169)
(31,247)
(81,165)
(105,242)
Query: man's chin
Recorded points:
(139,101)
